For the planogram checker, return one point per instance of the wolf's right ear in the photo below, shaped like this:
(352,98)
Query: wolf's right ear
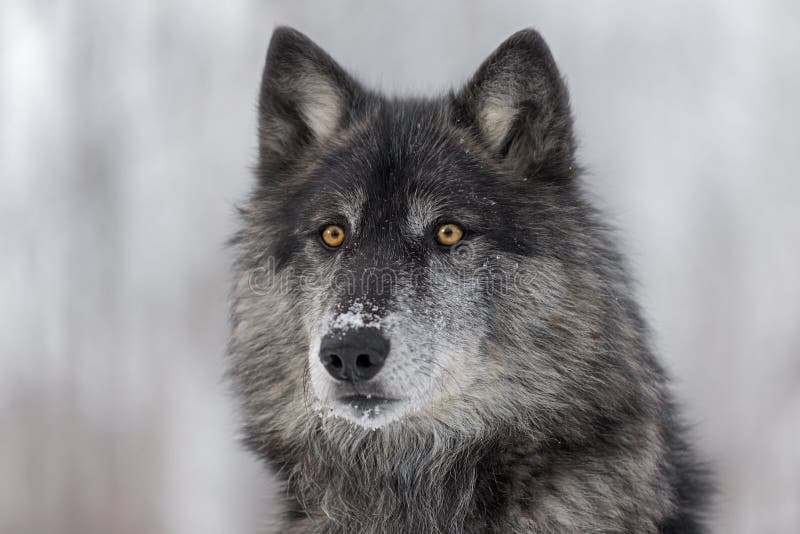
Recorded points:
(305,97)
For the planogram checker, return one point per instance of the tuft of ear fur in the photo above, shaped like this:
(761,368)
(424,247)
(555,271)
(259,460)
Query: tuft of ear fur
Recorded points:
(519,106)
(305,97)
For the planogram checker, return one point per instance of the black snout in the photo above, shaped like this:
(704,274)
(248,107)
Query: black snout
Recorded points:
(355,355)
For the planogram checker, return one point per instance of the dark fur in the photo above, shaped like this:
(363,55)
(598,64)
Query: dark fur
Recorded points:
(569,427)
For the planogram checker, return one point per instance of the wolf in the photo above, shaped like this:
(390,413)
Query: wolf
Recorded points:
(432,328)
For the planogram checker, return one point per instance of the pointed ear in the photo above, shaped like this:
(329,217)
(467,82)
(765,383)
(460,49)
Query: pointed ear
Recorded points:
(518,105)
(305,97)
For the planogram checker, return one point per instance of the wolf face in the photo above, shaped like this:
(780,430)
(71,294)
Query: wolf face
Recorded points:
(428,315)
(397,320)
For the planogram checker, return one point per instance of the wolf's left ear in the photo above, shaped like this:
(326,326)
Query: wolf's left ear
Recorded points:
(519,106)
(305,97)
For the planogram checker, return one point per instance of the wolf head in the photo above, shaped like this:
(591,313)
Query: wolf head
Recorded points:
(413,262)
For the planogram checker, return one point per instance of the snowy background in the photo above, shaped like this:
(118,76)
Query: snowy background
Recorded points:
(126,134)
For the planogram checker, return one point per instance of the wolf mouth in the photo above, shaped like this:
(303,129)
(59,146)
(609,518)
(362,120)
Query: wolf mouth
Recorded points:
(369,411)
(367,403)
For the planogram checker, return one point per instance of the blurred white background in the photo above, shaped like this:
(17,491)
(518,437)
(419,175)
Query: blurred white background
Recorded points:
(127,130)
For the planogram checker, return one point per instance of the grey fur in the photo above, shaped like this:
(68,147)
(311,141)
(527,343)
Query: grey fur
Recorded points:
(534,403)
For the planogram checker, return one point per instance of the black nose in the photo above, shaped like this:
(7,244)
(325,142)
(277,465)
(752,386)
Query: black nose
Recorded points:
(355,355)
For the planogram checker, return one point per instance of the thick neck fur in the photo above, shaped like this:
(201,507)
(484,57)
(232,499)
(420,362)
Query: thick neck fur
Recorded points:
(421,484)
(440,482)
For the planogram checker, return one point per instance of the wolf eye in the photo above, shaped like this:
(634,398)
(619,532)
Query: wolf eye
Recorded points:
(333,235)
(449,234)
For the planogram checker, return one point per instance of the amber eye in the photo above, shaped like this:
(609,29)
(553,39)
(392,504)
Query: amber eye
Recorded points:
(449,234)
(333,235)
